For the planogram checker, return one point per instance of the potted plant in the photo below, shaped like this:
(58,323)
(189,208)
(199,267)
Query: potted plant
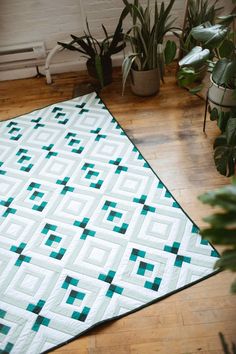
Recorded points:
(146,39)
(98,53)
(217,49)
(196,13)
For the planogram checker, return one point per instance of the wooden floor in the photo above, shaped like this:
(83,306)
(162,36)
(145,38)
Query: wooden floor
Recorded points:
(168,131)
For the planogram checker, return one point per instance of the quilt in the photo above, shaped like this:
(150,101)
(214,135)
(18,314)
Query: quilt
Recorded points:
(88,232)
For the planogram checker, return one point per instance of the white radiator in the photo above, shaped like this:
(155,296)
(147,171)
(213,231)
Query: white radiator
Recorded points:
(22,55)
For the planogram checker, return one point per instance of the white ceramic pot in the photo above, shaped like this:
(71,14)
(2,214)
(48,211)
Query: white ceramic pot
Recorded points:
(145,83)
(220,97)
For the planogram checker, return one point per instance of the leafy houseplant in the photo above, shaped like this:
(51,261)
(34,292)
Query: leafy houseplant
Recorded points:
(98,53)
(222,229)
(217,49)
(146,38)
(197,12)
(225,144)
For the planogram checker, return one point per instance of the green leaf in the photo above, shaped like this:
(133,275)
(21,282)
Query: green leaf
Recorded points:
(186,76)
(87,47)
(226,49)
(223,225)
(105,32)
(224,160)
(226,20)
(214,114)
(118,48)
(220,141)
(69,46)
(224,197)
(224,72)
(231,132)
(170,51)
(228,260)
(196,89)
(220,220)
(222,120)
(210,36)
(220,236)
(118,34)
(195,57)
(126,67)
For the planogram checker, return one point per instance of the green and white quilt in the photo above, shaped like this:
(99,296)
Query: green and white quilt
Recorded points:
(88,232)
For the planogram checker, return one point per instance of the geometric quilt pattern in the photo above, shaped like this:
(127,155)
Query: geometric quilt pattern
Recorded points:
(88,232)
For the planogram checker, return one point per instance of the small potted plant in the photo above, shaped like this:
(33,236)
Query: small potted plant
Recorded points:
(146,40)
(99,53)
(217,49)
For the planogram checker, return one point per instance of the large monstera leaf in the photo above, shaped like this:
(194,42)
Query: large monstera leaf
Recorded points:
(195,57)
(210,36)
(224,72)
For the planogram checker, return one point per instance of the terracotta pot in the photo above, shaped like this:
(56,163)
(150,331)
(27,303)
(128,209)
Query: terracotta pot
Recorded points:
(220,97)
(145,83)
(107,69)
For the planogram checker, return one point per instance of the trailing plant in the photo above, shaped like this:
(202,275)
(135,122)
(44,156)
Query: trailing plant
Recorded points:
(216,48)
(222,225)
(146,37)
(95,50)
(225,144)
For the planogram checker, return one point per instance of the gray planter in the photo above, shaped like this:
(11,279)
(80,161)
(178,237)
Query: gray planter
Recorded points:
(145,83)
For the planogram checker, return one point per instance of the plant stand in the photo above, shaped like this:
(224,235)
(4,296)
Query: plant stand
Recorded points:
(207,106)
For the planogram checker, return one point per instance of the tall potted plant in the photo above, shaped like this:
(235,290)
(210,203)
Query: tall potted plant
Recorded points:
(146,39)
(99,53)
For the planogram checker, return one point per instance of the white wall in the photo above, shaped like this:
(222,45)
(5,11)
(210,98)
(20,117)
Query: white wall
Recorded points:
(24,21)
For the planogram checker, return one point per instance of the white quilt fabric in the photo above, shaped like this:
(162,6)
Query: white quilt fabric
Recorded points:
(88,232)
